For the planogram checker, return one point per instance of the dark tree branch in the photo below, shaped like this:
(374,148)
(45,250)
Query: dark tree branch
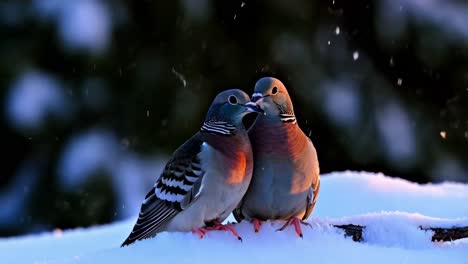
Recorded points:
(354,231)
(440,234)
(447,234)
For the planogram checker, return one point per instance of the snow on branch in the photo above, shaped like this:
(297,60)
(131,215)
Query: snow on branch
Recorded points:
(440,234)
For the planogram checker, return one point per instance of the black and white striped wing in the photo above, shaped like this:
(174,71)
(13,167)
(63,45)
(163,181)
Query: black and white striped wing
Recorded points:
(176,188)
(180,182)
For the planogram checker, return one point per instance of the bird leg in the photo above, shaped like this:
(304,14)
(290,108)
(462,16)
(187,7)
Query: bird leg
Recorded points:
(297,225)
(217,225)
(257,224)
(201,232)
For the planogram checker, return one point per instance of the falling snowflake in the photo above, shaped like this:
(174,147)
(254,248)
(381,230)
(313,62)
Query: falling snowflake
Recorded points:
(355,55)
(443,134)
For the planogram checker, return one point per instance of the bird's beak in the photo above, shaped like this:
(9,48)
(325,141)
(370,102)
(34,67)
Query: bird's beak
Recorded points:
(256,97)
(253,107)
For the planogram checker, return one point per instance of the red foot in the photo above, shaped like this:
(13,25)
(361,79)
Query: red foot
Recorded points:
(257,224)
(201,232)
(297,225)
(219,226)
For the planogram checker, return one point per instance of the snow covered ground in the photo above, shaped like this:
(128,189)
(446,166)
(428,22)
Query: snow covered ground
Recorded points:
(392,209)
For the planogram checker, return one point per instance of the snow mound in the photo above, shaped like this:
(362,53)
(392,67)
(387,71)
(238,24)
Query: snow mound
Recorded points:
(352,193)
(391,209)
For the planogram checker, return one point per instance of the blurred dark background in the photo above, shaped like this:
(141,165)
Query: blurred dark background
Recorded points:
(96,94)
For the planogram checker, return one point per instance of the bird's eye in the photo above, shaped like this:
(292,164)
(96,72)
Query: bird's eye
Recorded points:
(232,100)
(274,90)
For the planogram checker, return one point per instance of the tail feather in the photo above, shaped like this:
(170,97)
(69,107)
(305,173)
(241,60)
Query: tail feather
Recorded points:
(153,215)
(312,199)
(127,242)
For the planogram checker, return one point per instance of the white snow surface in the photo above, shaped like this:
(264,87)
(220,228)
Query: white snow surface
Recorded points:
(391,208)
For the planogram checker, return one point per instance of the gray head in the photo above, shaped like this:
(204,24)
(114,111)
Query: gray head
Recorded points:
(271,96)
(226,112)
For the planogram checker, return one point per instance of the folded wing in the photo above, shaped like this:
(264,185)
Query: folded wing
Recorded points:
(177,188)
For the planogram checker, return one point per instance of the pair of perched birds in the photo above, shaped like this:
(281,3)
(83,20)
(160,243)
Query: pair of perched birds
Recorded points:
(270,172)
